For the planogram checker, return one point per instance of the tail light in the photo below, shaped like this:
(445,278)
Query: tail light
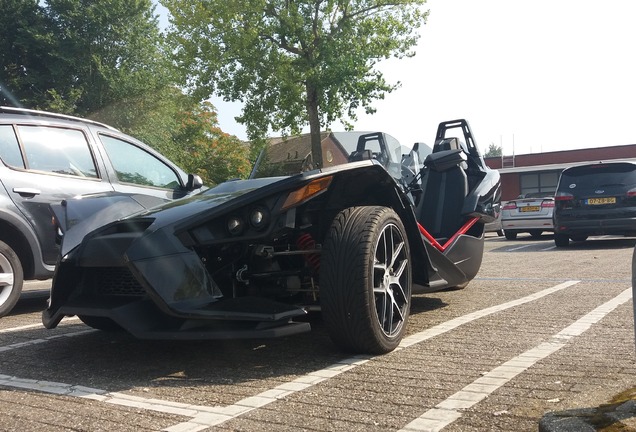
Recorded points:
(563,196)
(547,204)
(564,200)
(510,206)
(631,192)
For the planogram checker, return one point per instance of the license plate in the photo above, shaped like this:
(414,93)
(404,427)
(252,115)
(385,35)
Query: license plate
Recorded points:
(600,201)
(529,209)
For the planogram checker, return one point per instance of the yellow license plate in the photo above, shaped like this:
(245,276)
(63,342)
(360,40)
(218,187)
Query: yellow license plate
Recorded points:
(530,209)
(601,201)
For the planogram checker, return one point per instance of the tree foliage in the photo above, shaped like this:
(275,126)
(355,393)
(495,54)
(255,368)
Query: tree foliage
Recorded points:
(292,63)
(107,60)
(78,56)
(208,151)
(493,151)
(26,59)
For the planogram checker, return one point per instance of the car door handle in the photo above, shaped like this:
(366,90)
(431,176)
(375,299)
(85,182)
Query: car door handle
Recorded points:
(27,192)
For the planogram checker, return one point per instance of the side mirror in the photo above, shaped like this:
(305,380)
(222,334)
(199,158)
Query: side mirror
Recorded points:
(194,182)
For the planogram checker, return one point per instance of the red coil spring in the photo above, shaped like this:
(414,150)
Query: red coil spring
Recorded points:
(306,242)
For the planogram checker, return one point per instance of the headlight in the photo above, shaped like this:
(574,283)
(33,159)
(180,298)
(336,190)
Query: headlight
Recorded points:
(259,217)
(235,225)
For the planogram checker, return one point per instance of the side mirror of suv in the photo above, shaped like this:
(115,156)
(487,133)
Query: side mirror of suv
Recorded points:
(194,182)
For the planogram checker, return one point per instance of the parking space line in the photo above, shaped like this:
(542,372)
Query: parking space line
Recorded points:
(519,248)
(31,326)
(549,248)
(456,322)
(449,410)
(31,342)
(203,417)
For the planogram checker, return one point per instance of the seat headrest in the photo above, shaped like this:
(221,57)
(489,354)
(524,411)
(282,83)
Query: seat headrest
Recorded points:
(446,144)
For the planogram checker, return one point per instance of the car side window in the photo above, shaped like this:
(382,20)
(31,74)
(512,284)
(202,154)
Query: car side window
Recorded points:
(135,165)
(9,147)
(57,150)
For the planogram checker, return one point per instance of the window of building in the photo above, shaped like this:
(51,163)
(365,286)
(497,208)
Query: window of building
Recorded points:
(545,182)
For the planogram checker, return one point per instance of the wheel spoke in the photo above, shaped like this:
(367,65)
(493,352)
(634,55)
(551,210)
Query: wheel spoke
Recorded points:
(6,279)
(396,277)
(396,253)
(388,324)
(397,308)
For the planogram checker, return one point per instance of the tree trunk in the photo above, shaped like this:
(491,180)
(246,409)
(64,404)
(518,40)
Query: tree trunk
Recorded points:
(314,126)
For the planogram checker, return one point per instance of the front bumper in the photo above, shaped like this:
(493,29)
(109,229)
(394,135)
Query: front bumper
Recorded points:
(155,288)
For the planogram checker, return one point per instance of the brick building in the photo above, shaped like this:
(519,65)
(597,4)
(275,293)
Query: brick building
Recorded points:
(539,172)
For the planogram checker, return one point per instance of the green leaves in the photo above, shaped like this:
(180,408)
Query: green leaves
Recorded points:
(292,63)
(107,60)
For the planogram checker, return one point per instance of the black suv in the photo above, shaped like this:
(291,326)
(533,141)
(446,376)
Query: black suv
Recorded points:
(595,199)
(46,158)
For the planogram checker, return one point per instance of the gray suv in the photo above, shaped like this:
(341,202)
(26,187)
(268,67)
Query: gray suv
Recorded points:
(46,158)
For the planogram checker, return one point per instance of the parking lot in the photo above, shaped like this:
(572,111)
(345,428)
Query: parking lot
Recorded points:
(539,330)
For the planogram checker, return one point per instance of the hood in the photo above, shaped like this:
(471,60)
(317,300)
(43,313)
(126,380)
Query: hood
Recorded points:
(80,216)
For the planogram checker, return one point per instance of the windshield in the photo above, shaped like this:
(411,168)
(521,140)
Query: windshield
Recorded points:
(293,155)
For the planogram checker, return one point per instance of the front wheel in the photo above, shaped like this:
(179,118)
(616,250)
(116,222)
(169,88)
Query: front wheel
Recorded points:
(11,279)
(365,280)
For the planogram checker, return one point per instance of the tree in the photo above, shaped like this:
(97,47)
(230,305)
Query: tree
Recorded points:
(26,44)
(494,151)
(79,56)
(292,63)
(106,60)
(208,151)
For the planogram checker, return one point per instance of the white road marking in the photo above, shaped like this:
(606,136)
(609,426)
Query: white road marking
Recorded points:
(30,326)
(449,410)
(519,247)
(203,417)
(265,398)
(549,248)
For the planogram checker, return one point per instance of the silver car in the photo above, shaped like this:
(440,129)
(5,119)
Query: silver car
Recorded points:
(531,213)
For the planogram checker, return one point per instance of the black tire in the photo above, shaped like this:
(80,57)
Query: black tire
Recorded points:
(510,235)
(365,280)
(101,323)
(536,234)
(500,233)
(579,238)
(11,279)
(561,240)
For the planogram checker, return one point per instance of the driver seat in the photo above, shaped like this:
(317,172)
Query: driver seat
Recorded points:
(444,189)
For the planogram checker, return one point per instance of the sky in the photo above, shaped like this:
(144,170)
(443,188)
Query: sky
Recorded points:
(529,76)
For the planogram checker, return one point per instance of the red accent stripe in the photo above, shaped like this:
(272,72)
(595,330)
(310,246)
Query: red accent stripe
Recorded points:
(461,231)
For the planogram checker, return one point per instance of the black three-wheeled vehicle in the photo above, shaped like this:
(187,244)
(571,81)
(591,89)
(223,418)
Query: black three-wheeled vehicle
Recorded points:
(247,258)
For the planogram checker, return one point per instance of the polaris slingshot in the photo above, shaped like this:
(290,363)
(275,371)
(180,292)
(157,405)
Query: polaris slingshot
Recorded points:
(354,240)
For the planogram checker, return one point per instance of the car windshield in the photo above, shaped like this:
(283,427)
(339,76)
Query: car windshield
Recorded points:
(592,176)
(293,155)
